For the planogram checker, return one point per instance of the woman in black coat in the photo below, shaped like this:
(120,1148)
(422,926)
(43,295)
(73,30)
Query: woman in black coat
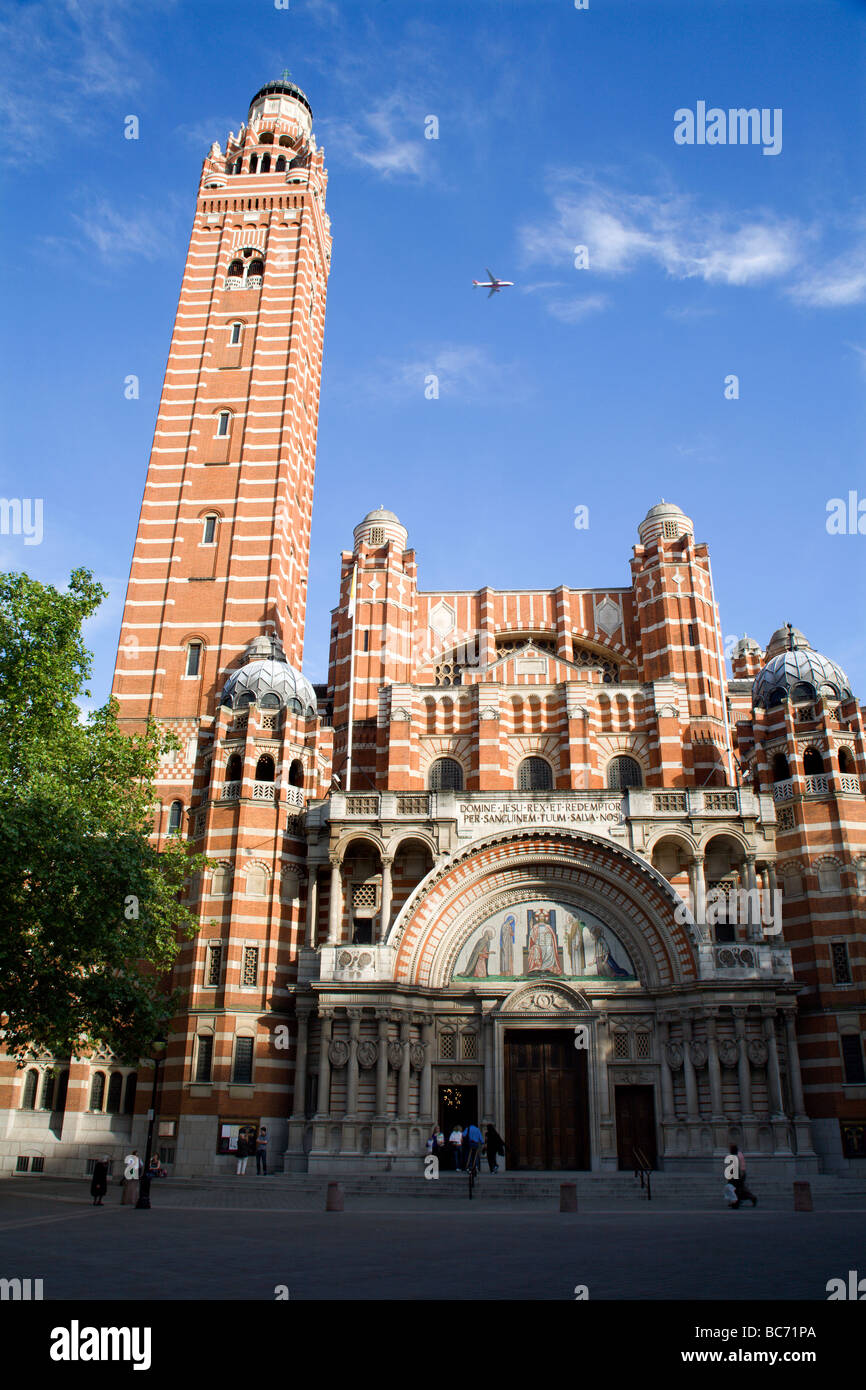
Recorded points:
(99,1181)
(495,1145)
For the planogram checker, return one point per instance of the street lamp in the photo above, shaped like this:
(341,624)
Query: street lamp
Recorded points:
(158,1048)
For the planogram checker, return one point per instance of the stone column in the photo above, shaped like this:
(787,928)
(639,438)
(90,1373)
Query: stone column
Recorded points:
(385,916)
(382,1066)
(489,1044)
(323,1103)
(300,1089)
(668,1112)
(802,1127)
(606,1125)
(405,1067)
(352,1064)
(312,903)
(752,928)
(425,1091)
(698,885)
(720,1131)
(693,1113)
(335,906)
(744,1076)
(781,1128)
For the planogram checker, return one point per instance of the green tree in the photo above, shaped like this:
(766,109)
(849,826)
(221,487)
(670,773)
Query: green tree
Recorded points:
(91,915)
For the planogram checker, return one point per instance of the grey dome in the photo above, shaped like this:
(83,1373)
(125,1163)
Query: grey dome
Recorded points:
(800,674)
(786,638)
(746,644)
(381,514)
(665,520)
(253,683)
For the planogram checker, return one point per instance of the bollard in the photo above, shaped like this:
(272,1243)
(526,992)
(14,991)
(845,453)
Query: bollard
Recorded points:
(802,1196)
(334,1199)
(568,1196)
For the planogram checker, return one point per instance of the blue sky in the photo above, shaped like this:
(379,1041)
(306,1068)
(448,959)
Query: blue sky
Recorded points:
(601,386)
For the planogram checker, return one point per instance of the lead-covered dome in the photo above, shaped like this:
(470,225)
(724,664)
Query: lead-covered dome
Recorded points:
(379,527)
(798,674)
(271,684)
(665,521)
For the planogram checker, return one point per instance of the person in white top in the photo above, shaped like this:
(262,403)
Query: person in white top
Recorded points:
(455,1139)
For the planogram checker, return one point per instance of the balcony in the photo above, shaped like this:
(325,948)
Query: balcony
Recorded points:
(231,791)
(817,784)
(783,791)
(294,796)
(264,791)
(751,960)
(849,784)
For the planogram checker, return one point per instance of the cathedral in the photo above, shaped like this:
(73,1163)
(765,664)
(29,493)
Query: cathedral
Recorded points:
(533,858)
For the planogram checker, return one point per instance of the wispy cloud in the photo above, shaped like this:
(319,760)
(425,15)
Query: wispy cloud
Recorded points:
(389,138)
(462,372)
(573,310)
(837,284)
(622,230)
(118,236)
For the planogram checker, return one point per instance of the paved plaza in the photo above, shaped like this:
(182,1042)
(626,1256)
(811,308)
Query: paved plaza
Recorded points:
(240,1242)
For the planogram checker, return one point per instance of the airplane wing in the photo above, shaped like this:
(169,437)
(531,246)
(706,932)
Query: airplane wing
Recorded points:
(492,292)
(490,274)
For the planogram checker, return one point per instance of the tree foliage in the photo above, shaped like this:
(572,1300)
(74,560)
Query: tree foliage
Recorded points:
(91,915)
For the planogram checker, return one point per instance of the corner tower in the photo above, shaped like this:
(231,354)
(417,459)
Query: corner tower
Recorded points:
(222,551)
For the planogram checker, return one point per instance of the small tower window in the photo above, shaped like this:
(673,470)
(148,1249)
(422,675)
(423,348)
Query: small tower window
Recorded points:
(296,773)
(204,1057)
(234,771)
(813,763)
(237,269)
(115,1093)
(174,817)
(223,423)
(265,166)
(846,762)
(446,775)
(670,530)
(209,533)
(781,770)
(28,1099)
(256,268)
(97,1091)
(377,535)
(235,334)
(129,1094)
(280,164)
(265,768)
(193,658)
(254,163)
(535,775)
(624,772)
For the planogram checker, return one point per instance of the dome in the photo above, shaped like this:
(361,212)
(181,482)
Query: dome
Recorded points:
(379,527)
(270,683)
(666,521)
(746,644)
(800,675)
(786,638)
(282,87)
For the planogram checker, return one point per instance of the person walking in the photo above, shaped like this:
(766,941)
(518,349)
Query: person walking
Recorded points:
(132,1166)
(455,1139)
(243,1151)
(262,1152)
(436,1141)
(99,1180)
(739,1181)
(474,1140)
(495,1146)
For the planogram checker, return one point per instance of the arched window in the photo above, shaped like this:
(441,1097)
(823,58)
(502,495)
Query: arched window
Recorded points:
(129,1097)
(813,763)
(115,1092)
(265,768)
(535,775)
(624,772)
(446,775)
(269,701)
(174,817)
(280,164)
(266,137)
(209,527)
(286,140)
(846,762)
(257,881)
(265,166)
(802,693)
(781,770)
(46,1100)
(235,769)
(97,1091)
(222,880)
(235,333)
(256,268)
(28,1096)
(237,269)
(296,773)
(254,163)
(223,423)
(239,164)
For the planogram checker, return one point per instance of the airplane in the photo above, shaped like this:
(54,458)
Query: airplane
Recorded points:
(493,285)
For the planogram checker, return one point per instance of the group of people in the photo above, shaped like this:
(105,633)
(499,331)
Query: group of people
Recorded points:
(133,1167)
(464,1146)
(252,1140)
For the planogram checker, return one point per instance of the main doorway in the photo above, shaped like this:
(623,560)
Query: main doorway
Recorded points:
(458,1105)
(635,1126)
(547,1104)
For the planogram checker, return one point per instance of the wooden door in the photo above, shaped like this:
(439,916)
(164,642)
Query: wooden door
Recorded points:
(547,1119)
(635,1124)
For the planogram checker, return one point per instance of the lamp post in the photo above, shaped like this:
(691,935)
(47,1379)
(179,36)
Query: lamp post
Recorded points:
(143,1203)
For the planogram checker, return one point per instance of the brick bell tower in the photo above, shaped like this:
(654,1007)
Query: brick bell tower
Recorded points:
(212,638)
(222,550)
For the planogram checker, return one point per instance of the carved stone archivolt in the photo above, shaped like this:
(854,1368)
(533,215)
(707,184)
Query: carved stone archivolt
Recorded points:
(338,1052)
(674,1056)
(368,1053)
